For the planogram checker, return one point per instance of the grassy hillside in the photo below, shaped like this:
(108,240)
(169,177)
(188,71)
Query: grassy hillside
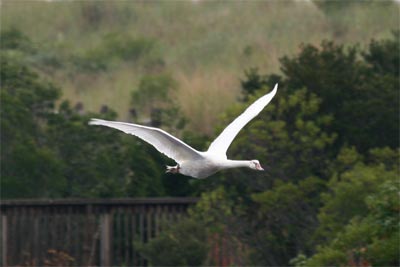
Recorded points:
(97,52)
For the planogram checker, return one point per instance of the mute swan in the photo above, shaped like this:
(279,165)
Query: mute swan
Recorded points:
(190,161)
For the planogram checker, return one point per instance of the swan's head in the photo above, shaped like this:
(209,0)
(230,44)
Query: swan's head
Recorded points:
(255,165)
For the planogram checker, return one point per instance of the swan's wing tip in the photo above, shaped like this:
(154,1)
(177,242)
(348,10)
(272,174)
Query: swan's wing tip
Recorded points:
(94,121)
(273,92)
(275,87)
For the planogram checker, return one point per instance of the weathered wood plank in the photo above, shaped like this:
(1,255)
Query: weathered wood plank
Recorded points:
(4,239)
(106,239)
(127,259)
(133,236)
(142,230)
(36,233)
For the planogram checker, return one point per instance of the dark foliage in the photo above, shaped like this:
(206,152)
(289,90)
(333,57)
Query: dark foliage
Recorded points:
(360,89)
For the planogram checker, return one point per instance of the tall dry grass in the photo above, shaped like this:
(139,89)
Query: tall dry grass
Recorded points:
(205,45)
(204,95)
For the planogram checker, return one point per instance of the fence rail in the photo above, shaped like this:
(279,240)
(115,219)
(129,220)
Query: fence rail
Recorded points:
(83,232)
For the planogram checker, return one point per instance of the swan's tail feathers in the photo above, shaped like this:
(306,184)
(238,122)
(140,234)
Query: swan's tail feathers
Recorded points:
(172,169)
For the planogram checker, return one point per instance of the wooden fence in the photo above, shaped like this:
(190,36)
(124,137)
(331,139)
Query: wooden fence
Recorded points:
(83,232)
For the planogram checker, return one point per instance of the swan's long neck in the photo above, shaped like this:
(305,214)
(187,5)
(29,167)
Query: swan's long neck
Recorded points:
(237,163)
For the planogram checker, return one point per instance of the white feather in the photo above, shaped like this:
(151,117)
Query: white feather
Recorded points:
(165,143)
(221,144)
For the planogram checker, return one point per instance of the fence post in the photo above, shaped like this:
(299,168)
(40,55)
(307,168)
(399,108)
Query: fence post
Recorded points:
(4,240)
(105,239)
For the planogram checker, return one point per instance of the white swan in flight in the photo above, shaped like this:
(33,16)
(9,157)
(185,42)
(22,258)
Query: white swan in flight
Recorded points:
(190,161)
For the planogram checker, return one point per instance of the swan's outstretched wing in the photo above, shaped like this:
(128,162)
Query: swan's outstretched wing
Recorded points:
(167,144)
(223,141)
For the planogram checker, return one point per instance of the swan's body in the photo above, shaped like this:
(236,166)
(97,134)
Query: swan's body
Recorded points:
(190,161)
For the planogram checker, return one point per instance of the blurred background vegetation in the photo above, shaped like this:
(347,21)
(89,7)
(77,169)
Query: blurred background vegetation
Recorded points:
(329,140)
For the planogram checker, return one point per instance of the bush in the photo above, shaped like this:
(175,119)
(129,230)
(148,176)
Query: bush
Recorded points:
(14,39)
(115,48)
(183,244)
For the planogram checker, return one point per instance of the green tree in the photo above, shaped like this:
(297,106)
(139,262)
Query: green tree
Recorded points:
(29,166)
(382,57)
(360,92)
(93,159)
(255,81)
(298,137)
(146,169)
(359,214)
(48,150)
(285,217)
(349,187)
(369,239)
